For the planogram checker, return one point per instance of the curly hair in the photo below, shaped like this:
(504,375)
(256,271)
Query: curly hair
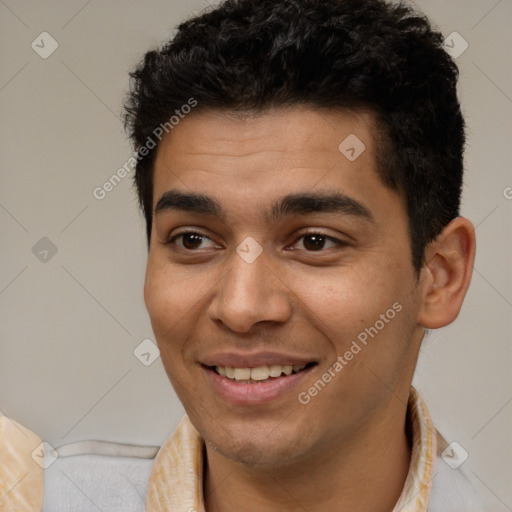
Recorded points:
(252,55)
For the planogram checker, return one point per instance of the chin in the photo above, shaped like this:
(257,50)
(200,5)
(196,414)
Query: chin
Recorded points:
(257,456)
(259,446)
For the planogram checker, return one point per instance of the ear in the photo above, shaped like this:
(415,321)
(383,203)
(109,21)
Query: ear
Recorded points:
(446,273)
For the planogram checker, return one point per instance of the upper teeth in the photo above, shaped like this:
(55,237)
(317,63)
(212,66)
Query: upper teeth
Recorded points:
(258,373)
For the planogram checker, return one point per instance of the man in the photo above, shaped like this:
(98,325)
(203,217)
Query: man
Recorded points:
(299,167)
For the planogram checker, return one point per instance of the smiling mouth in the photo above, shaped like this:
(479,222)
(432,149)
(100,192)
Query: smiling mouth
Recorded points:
(259,374)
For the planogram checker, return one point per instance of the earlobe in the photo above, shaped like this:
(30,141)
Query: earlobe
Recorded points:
(446,274)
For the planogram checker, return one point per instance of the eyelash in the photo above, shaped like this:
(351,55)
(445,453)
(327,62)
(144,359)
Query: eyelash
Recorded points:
(338,242)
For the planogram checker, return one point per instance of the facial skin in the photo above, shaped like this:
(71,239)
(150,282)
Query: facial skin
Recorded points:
(204,299)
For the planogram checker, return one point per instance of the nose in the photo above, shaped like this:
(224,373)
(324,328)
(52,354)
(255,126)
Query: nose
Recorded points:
(250,294)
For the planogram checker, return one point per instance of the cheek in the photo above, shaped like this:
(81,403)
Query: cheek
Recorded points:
(169,298)
(170,301)
(348,304)
(343,298)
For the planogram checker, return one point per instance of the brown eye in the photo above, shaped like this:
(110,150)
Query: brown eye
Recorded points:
(314,242)
(318,242)
(191,240)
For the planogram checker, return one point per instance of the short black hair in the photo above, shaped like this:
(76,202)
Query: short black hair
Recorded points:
(253,55)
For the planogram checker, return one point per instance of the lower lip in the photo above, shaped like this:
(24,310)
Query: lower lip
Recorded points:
(243,393)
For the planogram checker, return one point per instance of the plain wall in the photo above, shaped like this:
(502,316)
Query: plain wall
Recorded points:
(69,325)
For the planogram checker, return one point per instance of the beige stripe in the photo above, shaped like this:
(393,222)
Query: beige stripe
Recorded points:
(418,485)
(176,479)
(21,479)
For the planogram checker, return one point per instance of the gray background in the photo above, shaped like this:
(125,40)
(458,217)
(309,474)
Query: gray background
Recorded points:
(70,324)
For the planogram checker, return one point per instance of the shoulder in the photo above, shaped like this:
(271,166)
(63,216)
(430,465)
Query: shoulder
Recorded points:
(21,478)
(454,489)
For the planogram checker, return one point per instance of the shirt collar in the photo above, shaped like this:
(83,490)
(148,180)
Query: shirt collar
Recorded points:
(418,484)
(176,480)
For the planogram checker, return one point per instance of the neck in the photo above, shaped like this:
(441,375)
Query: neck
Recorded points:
(364,473)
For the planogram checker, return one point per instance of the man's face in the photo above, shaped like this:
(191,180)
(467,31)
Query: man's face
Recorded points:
(272,276)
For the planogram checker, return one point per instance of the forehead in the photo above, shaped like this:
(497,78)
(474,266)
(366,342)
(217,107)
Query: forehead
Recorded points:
(292,131)
(257,157)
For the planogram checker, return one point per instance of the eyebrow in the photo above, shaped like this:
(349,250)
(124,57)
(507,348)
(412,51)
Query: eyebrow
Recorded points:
(292,204)
(303,204)
(189,202)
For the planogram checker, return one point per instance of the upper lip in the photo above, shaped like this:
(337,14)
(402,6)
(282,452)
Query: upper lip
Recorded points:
(254,359)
